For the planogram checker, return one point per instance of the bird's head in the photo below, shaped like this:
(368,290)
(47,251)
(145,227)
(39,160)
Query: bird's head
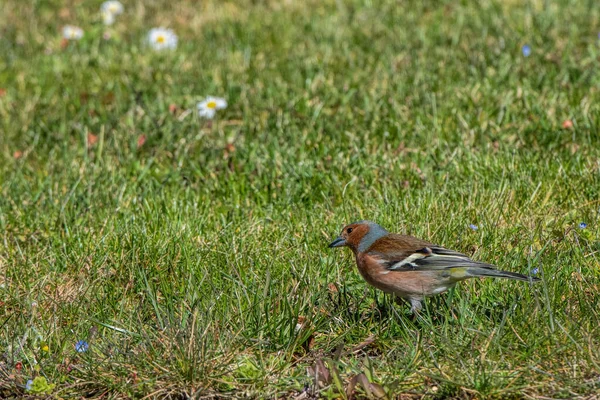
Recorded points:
(359,236)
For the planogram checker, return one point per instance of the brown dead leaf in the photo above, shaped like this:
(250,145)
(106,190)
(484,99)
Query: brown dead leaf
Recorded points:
(301,322)
(378,391)
(2,92)
(108,98)
(229,149)
(372,390)
(173,108)
(567,124)
(321,373)
(310,343)
(64,43)
(400,149)
(17,154)
(367,342)
(64,12)
(332,288)
(351,387)
(91,139)
(141,140)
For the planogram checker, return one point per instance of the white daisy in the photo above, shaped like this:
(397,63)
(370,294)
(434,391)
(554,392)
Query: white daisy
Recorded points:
(113,6)
(208,108)
(72,32)
(162,38)
(109,10)
(108,18)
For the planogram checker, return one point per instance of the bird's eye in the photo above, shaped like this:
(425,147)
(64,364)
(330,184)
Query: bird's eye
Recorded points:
(349,230)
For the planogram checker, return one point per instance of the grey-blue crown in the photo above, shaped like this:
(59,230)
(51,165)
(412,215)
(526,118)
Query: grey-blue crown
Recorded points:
(376,231)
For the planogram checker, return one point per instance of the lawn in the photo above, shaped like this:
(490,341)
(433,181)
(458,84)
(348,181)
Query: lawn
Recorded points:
(146,251)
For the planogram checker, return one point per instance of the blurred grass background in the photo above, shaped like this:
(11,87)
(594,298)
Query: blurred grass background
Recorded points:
(195,263)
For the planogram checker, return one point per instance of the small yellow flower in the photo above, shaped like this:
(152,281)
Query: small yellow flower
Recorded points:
(45,348)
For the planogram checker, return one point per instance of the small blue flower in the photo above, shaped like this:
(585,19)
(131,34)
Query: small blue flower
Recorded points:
(28,385)
(535,271)
(526,50)
(473,227)
(582,225)
(82,346)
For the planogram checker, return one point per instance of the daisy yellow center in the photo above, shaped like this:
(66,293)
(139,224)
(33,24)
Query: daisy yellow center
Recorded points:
(112,8)
(160,39)
(211,104)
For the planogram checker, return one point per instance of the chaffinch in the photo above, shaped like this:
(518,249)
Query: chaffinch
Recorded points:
(408,267)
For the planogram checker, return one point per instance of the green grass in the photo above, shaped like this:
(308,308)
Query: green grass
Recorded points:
(186,263)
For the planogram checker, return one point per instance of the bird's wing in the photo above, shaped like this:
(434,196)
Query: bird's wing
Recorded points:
(405,253)
(433,258)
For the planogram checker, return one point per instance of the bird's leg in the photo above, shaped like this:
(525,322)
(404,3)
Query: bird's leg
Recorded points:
(416,306)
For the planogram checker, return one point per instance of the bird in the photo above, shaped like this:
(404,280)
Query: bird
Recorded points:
(411,268)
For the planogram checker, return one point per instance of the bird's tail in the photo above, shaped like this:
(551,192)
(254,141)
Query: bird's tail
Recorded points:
(496,273)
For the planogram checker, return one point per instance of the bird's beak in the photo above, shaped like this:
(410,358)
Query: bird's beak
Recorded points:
(338,242)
